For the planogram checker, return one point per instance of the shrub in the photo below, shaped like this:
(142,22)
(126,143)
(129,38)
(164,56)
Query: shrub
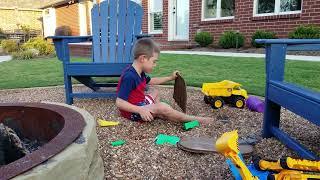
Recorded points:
(231,39)
(259,34)
(2,36)
(25,54)
(9,46)
(203,38)
(26,30)
(63,31)
(305,32)
(44,47)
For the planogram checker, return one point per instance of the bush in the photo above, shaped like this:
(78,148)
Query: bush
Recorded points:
(63,31)
(203,38)
(25,54)
(259,34)
(26,30)
(231,39)
(2,36)
(39,44)
(305,32)
(9,46)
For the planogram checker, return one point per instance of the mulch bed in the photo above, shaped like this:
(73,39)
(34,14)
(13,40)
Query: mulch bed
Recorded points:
(140,158)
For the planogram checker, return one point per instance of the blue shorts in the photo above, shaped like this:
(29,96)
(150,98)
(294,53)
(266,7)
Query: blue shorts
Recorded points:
(148,100)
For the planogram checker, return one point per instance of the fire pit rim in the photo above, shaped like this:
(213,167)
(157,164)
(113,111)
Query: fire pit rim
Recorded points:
(73,126)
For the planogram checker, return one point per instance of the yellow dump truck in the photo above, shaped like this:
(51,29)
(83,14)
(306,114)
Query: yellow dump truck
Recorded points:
(217,94)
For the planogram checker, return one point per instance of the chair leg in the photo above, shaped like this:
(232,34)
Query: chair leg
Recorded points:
(271,118)
(68,89)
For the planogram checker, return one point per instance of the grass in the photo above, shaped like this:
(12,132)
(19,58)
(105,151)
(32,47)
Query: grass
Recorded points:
(250,72)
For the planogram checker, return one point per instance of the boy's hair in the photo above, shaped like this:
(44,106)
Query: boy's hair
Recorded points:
(145,46)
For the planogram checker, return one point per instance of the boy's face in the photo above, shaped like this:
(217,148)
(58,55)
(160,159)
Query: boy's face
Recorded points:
(149,64)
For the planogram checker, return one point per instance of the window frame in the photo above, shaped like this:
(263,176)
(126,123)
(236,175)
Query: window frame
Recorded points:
(276,10)
(150,30)
(203,18)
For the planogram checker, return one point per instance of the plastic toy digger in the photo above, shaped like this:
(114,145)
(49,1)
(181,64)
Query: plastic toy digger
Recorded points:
(287,163)
(292,175)
(283,169)
(216,94)
(289,168)
(227,145)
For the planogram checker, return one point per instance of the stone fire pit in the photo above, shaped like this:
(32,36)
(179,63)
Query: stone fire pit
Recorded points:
(70,149)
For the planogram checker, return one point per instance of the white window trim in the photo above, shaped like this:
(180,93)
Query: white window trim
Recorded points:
(90,6)
(149,29)
(52,24)
(82,11)
(277,10)
(218,13)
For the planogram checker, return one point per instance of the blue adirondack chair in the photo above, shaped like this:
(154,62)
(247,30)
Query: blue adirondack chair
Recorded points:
(299,100)
(116,25)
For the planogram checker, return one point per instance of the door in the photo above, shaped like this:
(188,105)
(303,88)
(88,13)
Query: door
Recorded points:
(178,20)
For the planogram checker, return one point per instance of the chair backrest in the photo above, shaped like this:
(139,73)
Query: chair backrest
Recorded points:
(115,24)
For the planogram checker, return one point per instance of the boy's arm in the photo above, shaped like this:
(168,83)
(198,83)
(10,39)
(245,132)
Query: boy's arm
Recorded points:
(161,80)
(126,106)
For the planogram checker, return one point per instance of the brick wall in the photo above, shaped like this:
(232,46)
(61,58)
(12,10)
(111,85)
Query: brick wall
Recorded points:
(11,18)
(80,50)
(162,39)
(243,21)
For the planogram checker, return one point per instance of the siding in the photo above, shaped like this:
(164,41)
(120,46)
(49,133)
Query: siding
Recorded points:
(67,15)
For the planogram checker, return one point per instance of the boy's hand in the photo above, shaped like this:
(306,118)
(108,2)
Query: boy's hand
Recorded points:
(174,75)
(145,114)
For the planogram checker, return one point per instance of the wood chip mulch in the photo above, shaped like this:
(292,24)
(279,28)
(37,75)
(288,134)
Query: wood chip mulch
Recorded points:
(140,158)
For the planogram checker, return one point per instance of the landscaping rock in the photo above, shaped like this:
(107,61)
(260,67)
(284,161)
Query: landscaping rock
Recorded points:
(11,147)
(80,160)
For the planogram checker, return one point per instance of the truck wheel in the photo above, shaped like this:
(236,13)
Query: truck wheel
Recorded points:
(206,99)
(217,103)
(238,102)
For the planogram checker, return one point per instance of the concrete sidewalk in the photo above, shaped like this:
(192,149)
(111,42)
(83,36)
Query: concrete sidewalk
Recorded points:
(230,54)
(5,58)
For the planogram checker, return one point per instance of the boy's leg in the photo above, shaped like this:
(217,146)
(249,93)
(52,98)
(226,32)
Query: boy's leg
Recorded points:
(167,112)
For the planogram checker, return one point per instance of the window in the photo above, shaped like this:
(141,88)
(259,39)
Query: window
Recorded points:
(290,5)
(155,16)
(217,9)
(274,7)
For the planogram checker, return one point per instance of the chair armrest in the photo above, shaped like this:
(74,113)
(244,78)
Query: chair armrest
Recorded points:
(61,45)
(287,41)
(139,36)
(72,38)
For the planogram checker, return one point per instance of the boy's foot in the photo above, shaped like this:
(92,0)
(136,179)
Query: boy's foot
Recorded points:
(205,120)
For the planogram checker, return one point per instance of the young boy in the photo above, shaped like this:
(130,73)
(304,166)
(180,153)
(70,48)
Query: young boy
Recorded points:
(132,101)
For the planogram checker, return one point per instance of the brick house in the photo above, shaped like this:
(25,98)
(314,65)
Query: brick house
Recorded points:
(174,23)
(75,14)
(181,19)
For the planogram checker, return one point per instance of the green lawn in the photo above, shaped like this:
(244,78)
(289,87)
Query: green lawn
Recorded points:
(250,72)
